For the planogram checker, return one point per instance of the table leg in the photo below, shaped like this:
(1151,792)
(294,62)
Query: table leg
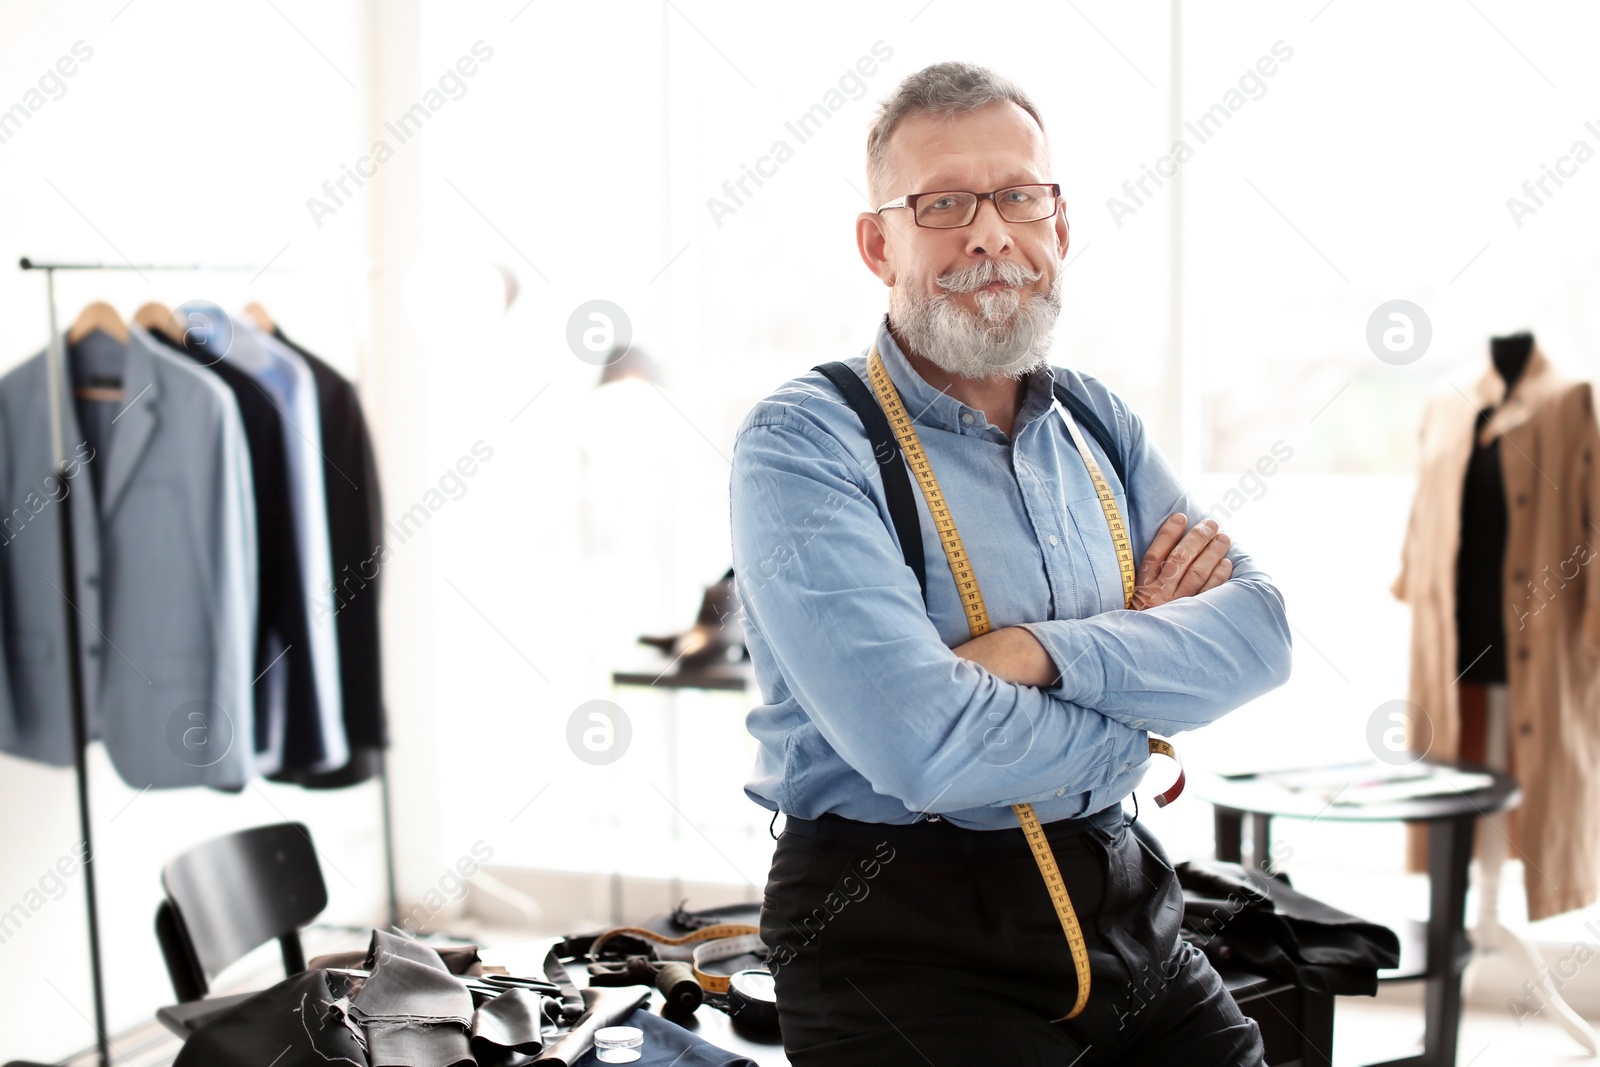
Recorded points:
(1316,1028)
(1261,841)
(1449,853)
(1229,827)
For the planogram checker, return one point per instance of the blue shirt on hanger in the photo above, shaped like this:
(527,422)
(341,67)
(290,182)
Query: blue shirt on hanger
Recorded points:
(312,738)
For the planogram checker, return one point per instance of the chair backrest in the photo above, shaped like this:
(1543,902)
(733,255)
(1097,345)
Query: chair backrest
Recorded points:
(234,894)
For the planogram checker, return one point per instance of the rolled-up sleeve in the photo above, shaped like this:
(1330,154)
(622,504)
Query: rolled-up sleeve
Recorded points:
(821,574)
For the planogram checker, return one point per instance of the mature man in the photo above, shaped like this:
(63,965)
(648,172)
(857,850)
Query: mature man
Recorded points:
(908,915)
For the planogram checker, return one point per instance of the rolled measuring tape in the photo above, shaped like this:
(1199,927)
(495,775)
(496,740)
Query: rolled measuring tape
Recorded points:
(753,999)
(725,948)
(712,943)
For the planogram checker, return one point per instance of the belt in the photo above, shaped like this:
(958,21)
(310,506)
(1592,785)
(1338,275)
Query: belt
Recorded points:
(939,835)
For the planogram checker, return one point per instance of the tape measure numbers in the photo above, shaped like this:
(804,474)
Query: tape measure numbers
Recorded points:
(978,624)
(722,941)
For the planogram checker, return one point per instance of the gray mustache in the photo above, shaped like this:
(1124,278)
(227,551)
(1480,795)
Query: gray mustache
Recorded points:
(982,273)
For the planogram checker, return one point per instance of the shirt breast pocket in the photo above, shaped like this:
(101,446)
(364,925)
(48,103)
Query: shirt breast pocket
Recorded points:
(1094,546)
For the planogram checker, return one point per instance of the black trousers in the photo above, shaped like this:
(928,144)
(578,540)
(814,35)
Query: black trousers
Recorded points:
(930,944)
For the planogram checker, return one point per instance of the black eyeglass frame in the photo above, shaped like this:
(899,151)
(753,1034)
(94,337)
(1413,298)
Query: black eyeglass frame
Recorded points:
(910,201)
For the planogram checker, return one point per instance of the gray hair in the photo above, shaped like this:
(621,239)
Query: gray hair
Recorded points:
(943,89)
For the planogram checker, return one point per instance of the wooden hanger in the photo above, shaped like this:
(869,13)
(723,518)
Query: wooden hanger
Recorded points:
(157,318)
(258,315)
(98,315)
(101,316)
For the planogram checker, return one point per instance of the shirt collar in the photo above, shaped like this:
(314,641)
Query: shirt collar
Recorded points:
(937,409)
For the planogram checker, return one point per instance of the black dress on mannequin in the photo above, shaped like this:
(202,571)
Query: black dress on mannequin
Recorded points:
(1480,595)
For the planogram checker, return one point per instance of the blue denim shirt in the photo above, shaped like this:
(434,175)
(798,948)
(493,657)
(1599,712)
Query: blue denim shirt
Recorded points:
(868,713)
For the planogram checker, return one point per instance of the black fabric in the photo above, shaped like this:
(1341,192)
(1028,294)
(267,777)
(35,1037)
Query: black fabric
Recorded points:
(303,1020)
(507,1030)
(954,954)
(415,1013)
(1480,565)
(282,612)
(355,531)
(1262,923)
(897,488)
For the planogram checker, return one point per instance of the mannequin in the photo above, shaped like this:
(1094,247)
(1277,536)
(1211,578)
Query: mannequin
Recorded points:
(1484,701)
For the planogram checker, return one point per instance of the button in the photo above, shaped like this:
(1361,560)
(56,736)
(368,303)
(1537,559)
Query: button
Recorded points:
(1125,766)
(93,650)
(1061,792)
(1522,499)
(1522,653)
(1525,729)
(93,579)
(1053,541)
(1520,576)
(966,417)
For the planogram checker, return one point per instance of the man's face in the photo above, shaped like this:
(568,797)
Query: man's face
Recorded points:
(983,298)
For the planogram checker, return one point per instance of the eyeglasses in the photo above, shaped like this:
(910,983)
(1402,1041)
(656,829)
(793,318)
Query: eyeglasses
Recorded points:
(955,208)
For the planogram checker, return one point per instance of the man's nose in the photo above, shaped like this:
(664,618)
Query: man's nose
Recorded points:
(988,234)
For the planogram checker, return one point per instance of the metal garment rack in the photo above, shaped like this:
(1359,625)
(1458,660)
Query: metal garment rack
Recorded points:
(56,367)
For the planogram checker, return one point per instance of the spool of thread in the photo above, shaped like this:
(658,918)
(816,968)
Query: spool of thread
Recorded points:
(677,983)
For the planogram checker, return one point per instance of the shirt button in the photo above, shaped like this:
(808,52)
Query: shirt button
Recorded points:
(1053,541)
(966,417)
(1061,792)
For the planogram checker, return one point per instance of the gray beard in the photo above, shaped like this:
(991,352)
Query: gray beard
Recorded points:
(1004,337)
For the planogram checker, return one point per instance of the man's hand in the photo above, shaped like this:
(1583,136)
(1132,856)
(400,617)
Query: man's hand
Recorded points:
(1177,565)
(1181,564)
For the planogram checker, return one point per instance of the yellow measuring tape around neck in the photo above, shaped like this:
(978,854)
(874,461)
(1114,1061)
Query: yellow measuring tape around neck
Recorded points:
(978,623)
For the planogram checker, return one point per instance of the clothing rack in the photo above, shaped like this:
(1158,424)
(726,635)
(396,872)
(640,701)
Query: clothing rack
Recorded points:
(56,371)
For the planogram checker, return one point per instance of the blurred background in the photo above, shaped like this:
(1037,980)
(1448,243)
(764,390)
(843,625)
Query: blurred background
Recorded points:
(439,258)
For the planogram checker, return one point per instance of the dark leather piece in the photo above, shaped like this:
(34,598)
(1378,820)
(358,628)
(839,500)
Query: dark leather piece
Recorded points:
(603,1007)
(458,959)
(302,1019)
(414,1011)
(1262,923)
(506,1031)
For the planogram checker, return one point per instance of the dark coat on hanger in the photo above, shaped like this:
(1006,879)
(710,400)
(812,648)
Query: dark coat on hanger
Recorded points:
(1549,456)
(355,530)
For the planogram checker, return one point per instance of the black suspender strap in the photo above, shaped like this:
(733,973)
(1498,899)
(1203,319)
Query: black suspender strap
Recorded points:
(897,483)
(1086,418)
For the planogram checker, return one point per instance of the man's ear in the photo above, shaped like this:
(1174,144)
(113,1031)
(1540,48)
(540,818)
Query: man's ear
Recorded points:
(1063,231)
(872,241)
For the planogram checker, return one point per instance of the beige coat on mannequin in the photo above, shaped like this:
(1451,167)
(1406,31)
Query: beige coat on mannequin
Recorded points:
(1549,456)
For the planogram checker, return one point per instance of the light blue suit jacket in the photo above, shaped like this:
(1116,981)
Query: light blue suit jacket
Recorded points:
(166,596)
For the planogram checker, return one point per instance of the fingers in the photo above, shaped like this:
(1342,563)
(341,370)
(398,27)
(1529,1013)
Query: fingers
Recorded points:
(1223,571)
(1166,537)
(1183,556)
(1204,565)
